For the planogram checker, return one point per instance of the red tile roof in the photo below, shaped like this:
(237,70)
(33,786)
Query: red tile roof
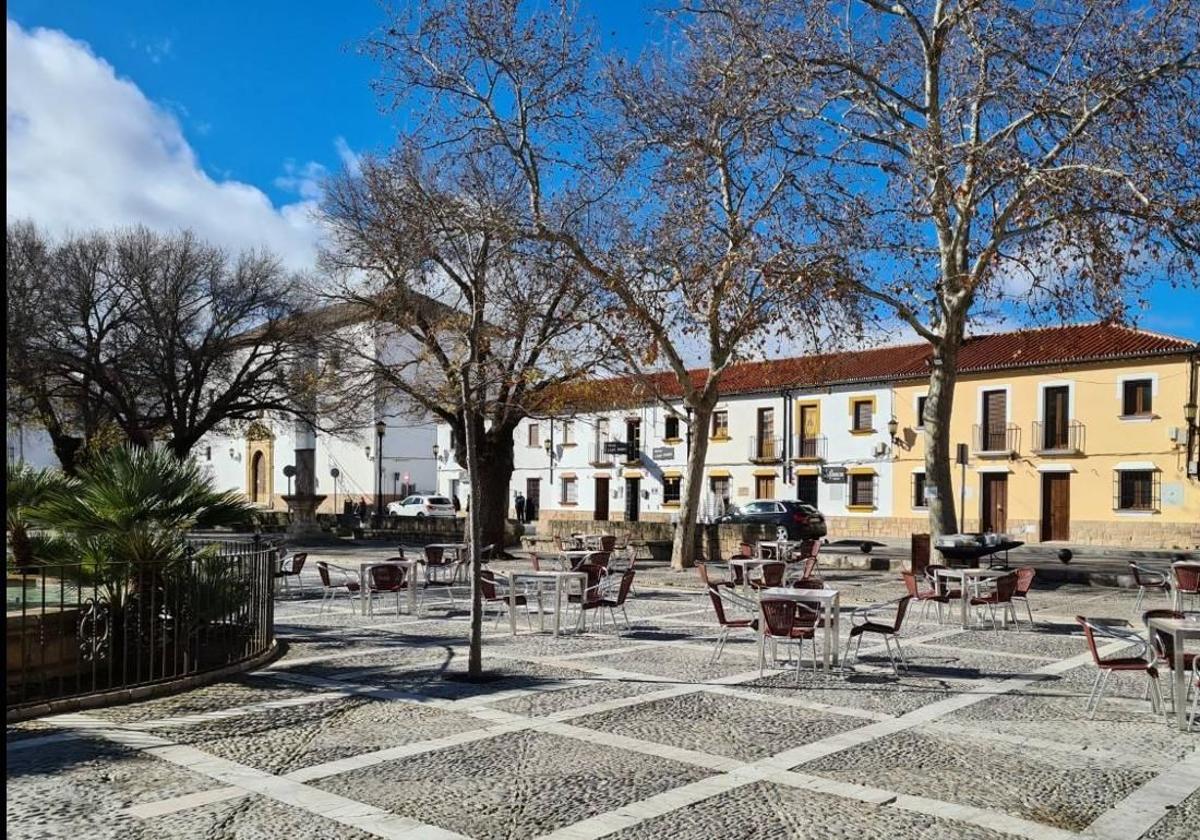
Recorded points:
(1068,345)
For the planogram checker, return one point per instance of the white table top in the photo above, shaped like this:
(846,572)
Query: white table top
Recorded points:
(1188,628)
(964,573)
(447,545)
(545,574)
(822,595)
(751,561)
(411,561)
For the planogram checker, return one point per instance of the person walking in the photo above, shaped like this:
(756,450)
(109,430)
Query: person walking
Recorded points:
(520,505)
(457,504)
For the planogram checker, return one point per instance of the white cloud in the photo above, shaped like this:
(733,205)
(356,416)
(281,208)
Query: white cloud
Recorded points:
(350,158)
(87,149)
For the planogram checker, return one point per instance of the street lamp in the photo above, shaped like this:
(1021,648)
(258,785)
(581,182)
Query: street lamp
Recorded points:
(892,428)
(1189,414)
(436,450)
(380,428)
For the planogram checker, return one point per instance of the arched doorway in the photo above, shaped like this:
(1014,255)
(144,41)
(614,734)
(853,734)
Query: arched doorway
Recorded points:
(258,478)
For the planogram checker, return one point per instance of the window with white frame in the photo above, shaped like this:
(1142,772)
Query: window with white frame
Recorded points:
(1136,490)
(570,491)
(671,489)
(671,428)
(862,490)
(568,432)
(921,401)
(535,436)
(918,490)
(1137,398)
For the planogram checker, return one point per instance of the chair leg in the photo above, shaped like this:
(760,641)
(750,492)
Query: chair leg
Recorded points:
(900,652)
(1100,693)
(1138,602)
(1092,694)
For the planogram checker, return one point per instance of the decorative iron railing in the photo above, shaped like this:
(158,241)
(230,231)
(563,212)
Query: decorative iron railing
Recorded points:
(87,628)
(810,448)
(1061,438)
(766,448)
(996,440)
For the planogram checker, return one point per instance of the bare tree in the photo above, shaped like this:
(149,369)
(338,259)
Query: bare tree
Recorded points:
(667,184)
(470,323)
(992,160)
(162,336)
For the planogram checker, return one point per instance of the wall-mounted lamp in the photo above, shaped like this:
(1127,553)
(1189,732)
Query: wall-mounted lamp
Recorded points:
(232,452)
(367,450)
(436,450)
(893,427)
(1189,413)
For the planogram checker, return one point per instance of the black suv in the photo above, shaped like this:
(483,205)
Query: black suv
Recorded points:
(802,521)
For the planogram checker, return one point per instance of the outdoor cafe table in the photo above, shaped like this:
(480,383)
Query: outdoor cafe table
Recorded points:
(560,580)
(830,601)
(781,547)
(1180,629)
(747,563)
(410,580)
(457,548)
(969,576)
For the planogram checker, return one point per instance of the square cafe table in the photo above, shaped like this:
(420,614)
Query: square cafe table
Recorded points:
(559,579)
(830,602)
(748,563)
(1180,629)
(364,574)
(969,576)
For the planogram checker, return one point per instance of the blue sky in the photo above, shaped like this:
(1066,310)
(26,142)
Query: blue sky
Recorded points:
(265,97)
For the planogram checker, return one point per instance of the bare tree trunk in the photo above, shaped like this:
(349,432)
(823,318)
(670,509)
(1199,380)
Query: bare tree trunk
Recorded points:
(471,442)
(495,469)
(938,463)
(683,552)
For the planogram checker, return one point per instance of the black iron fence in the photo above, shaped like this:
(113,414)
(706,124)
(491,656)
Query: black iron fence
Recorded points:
(85,628)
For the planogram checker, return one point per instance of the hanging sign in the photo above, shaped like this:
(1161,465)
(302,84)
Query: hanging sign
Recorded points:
(833,475)
(615,447)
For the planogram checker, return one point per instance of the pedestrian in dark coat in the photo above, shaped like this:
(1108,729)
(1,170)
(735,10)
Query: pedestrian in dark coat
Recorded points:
(520,504)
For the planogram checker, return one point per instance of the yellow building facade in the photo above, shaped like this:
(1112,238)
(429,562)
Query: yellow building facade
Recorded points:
(1094,453)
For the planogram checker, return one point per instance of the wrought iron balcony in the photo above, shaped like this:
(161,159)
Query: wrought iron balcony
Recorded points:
(1057,439)
(809,448)
(766,449)
(996,442)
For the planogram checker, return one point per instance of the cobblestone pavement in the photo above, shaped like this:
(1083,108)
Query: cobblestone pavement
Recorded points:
(363,728)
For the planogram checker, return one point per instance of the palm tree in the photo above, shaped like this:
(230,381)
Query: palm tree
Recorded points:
(26,489)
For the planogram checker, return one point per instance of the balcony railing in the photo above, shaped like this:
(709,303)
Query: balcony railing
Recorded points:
(809,448)
(599,457)
(1053,438)
(997,442)
(766,448)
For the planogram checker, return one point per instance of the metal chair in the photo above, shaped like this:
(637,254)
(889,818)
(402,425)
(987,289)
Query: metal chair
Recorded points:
(385,579)
(291,568)
(720,598)
(862,624)
(329,589)
(1137,663)
(503,601)
(1187,582)
(1001,596)
(790,623)
(769,576)
(924,596)
(1025,576)
(1149,580)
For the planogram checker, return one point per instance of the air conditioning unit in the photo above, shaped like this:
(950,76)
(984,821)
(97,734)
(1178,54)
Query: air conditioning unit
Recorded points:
(880,449)
(1175,434)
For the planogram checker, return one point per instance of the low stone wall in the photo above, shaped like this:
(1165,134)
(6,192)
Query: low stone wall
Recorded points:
(715,541)
(1139,533)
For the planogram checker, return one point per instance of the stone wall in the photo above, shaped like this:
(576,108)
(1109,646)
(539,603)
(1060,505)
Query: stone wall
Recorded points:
(717,542)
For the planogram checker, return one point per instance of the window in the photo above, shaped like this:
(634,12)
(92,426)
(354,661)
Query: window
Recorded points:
(720,424)
(671,432)
(671,485)
(921,412)
(633,439)
(570,491)
(862,412)
(918,491)
(1137,398)
(535,438)
(995,420)
(764,487)
(1136,490)
(1056,403)
(568,433)
(766,434)
(719,487)
(862,491)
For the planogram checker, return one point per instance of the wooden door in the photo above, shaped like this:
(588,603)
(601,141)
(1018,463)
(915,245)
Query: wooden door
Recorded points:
(806,489)
(633,499)
(810,427)
(995,418)
(1056,414)
(1056,506)
(994,503)
(601,514)
(533,498)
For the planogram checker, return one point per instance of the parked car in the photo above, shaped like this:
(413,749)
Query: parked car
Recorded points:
(802,521)
(422,506)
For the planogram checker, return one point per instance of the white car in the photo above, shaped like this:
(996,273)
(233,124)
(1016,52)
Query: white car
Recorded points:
(422,506)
